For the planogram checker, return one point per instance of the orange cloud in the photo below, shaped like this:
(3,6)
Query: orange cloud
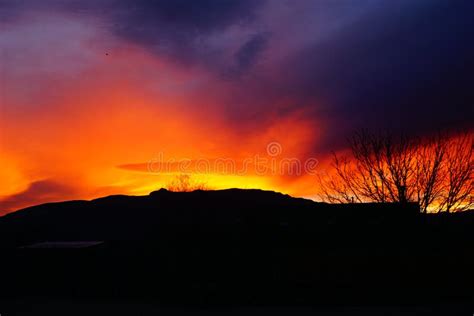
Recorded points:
(123,107)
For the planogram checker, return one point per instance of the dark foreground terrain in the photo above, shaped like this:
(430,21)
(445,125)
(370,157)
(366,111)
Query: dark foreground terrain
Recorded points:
(234,252)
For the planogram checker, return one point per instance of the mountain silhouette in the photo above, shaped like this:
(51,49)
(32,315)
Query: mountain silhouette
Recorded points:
(121,217)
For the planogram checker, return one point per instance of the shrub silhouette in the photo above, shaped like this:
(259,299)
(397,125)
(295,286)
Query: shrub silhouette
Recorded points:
(185,183)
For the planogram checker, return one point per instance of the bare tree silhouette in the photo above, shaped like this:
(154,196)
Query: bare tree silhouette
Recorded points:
(430,172)
(436,172)
(459,191)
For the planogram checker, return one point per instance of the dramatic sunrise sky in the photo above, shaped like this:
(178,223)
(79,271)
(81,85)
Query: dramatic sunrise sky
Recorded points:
(92,91)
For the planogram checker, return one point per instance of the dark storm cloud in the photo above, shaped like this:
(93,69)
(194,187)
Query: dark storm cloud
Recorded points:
(245,58)
(248,53)
(178,15)
(179,29)
(408,67)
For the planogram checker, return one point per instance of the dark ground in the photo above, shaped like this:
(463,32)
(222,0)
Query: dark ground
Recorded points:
(121,308)
(235,252)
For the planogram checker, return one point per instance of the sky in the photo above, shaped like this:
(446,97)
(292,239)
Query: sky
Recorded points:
(102,97)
